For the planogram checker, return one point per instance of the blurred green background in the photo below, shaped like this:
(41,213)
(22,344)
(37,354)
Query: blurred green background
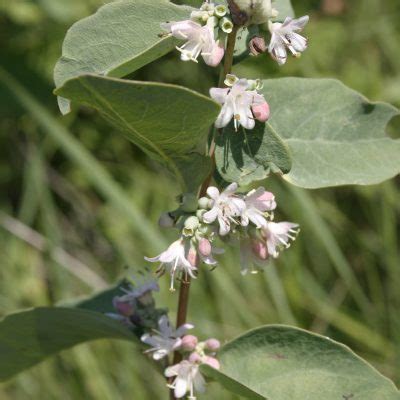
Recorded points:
(91,195)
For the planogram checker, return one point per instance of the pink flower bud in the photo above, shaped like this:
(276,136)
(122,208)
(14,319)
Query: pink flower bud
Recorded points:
(212,362)
(192,257)
(205,247)
(123,307)
(195,358)
(189,343)
(261,111)
(260,250)
(257,45)
(213,344)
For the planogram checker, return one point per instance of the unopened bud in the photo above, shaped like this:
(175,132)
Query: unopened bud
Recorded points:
(189,343)
(205,247)
(195,358)
(261,112)
(260,250)
(213,344)
(166,221)
(257,45)
(203,202)
(192,257)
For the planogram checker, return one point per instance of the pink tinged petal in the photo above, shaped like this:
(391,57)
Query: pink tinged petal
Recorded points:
(219,95)
(210,216)
(260,250)
(261,112)
(212,362)
(215,56)
(192,257)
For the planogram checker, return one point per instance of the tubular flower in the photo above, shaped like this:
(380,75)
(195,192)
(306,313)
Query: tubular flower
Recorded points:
(178,257)
(285,36)
(241,102)
(225,207)
(199,41)
(278,236)
(258,202)
(166,340)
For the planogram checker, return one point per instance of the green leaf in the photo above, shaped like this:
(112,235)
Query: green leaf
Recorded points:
(286,363)
(118,39)
(29,337)
(249,155)
(168,122)
(284,8)
(336,136)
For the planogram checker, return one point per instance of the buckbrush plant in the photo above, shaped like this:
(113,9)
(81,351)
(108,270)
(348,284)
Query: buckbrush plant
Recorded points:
(312,133)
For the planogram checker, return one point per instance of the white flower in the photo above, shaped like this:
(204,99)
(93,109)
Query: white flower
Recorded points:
(238,102)
(177,258)
(225,207)
(278,236)
(199,41)
(188,379)
(258,202)
(285,36)
(166,340)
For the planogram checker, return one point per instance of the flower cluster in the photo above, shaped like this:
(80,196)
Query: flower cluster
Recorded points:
(206,30)
(240,101)
(232,218)
(205,33)
(185,376)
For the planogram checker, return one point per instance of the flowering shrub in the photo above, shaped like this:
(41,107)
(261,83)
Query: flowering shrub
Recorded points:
(312,133)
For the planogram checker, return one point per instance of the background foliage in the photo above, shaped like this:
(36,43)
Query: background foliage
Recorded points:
(340,279)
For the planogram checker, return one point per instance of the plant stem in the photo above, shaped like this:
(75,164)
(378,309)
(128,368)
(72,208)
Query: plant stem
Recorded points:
(184,289)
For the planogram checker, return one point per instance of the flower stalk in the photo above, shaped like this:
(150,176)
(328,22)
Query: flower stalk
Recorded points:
(184,289)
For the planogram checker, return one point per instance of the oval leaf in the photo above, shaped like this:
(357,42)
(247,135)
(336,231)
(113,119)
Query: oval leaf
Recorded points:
(285,363)
(336,136)
(166,121)
(246,156)
(118,39)
(285,9)
(29,337)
